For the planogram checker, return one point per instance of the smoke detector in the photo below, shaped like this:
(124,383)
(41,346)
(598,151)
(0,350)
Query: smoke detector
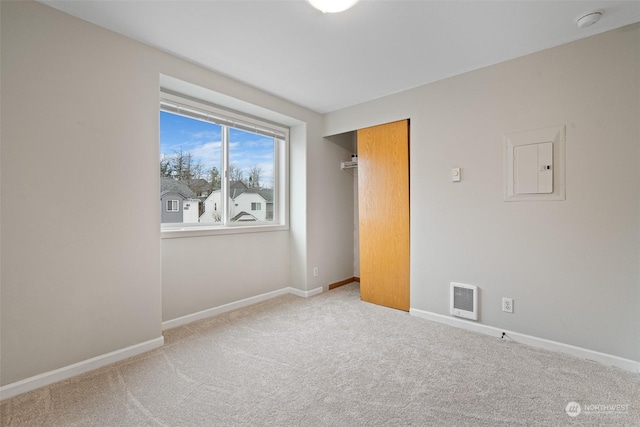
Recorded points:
(587,19)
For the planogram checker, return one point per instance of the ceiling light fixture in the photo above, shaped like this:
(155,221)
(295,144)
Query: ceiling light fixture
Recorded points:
(589,18)
(332,6)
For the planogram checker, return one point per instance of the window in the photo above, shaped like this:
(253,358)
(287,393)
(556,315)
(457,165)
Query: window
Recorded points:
(173,205)
(227,164)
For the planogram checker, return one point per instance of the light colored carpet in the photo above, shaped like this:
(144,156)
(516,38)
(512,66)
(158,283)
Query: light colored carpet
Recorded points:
(333,360)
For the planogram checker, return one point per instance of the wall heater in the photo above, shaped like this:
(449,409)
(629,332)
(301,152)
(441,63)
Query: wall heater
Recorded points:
(464,300)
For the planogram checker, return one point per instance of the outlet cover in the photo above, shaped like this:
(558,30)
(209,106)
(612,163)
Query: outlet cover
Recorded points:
(507,305)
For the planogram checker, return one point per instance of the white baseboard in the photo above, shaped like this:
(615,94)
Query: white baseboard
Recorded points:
(605,359)
(66,372)
(305,294)
(47,378)
(179,321)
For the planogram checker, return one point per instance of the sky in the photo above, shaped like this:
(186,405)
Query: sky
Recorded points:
(203,140)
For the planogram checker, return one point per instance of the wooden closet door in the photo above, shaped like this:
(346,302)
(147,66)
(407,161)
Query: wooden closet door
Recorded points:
(383,201)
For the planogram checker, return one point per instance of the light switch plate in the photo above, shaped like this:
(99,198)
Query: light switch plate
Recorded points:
(455,174)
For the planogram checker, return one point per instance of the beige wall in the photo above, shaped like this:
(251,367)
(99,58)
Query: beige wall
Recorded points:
(80,125)
(80,256)
(572,266)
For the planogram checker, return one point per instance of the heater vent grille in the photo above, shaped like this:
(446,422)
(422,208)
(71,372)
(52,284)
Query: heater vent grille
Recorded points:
(464,300)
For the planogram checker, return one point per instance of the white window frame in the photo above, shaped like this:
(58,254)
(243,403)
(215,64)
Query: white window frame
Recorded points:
(175,104)
(174,202)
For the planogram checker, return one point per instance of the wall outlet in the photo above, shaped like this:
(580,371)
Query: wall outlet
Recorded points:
(315,271)
(507,305)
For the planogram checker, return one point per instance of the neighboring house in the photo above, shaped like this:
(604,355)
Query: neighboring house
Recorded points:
(248,204)
(267,195)
(200,186)
(178,203)
(190,211)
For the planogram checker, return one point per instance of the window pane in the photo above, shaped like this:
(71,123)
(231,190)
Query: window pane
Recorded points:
(251,176)
(206,153)
(190,165)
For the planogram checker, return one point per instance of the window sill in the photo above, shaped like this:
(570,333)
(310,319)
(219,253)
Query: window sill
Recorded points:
(186,231)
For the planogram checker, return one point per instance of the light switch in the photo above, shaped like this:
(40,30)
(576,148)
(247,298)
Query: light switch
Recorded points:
(455,174)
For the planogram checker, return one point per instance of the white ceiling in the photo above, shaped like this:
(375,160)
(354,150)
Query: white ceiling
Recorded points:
(326,62)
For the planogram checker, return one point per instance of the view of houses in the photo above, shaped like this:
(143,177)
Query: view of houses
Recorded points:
(196,201)
(191,178)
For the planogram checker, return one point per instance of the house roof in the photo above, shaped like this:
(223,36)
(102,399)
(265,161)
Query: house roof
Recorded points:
(236,188)
(170,185)
(200,185)
(266,193)
(244,216)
